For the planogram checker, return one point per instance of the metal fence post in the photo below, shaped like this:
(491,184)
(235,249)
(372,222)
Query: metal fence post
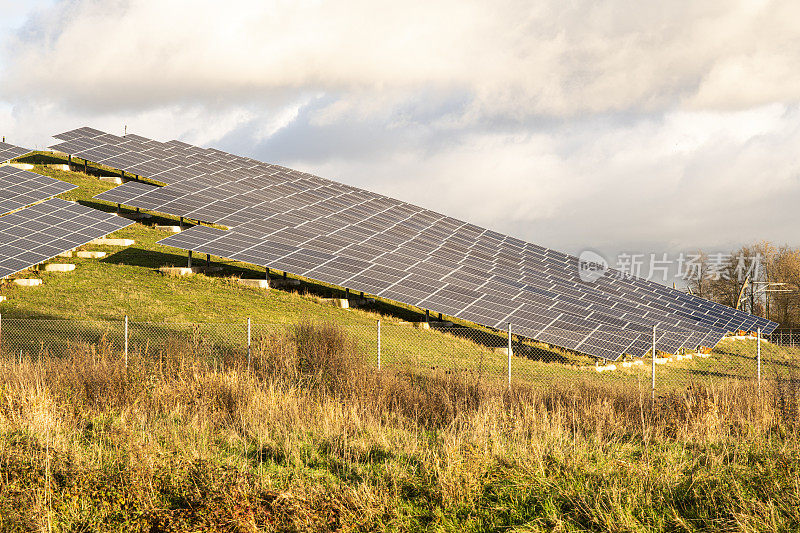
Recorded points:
(379,345)
(509,355)
(248,344)
(653,372)
(126,341)
(758,356)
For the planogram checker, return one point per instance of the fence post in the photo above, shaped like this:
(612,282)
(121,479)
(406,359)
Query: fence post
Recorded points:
(653,372)
(248,344)
(1,336)
(758,356)
(126,341)
(379,345)
(509,356)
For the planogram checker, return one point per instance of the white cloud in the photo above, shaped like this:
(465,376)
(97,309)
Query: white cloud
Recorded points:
(690,180)
(516,58)
(662,126)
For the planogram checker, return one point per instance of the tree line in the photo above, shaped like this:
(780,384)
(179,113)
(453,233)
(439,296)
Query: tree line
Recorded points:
(762,279)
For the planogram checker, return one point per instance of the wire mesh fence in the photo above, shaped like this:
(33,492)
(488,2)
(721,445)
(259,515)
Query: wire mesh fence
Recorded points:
(785,337)
(436,348)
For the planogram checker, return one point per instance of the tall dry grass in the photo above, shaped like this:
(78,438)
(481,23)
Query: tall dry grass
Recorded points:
(310,438)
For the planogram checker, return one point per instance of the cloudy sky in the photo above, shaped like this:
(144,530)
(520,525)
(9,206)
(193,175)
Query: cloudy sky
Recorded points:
(616,126)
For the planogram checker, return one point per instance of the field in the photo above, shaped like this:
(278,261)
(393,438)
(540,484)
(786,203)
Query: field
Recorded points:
(311,440)
(313,437)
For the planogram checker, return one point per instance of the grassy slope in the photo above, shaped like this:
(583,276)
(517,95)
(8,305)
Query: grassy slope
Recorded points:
(126,283)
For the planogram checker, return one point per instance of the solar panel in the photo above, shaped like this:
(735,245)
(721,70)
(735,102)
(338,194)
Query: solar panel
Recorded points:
(300,223)
(455,299)
(79,133)
(127,192)
(42,231)
(9,152)
(19,188)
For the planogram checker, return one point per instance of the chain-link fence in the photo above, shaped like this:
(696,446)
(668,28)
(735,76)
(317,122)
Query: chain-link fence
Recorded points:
(471,353)
(785,337)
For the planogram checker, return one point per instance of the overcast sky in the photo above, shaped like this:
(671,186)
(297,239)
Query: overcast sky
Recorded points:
(616,126)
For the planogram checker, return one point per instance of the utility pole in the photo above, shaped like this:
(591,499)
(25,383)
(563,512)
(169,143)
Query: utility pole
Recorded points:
(653,371)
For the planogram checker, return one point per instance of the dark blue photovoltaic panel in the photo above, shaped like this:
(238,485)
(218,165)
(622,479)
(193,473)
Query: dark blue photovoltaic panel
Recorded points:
(19,188)
(9,152)
(40,232)
(126,192)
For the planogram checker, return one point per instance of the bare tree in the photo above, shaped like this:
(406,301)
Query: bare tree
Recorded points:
(696,276)
(784,267)
(738,279)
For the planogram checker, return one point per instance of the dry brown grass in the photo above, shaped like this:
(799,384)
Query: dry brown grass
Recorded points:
(311,439)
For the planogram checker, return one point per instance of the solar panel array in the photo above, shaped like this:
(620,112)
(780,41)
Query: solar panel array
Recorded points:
(19,188)
(45,230)
(300,223)
(9,152)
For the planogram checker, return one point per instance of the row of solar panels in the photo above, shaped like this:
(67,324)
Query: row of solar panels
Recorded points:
(9,152)
(34,229)
(306,225)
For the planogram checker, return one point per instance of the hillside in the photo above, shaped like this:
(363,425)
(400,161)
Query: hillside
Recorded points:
(127,283)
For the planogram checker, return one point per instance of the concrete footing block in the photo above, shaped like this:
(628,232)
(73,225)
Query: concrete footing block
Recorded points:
(177,271)
(59,267)
(662,360)
(605,368)
(3,299)
(117,180)
(421,325)
(502,351)
(173,229)
(65,254)
(21,166)
(255,283)
(28,282)
(65,168)
(113,242)
(91,255)
(342,303)
(631,364)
